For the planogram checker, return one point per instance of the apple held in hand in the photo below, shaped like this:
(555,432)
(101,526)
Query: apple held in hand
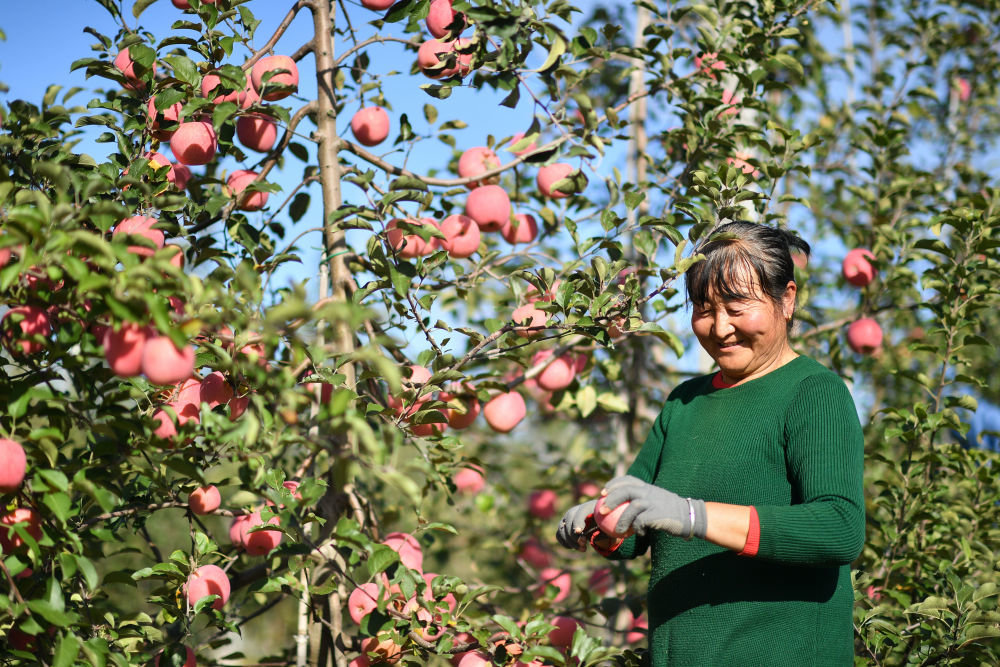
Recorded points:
(857,268)
(208,580)
(505,411)
(275,77)
(864,336)
(607,520)
(13,464)
(370,125)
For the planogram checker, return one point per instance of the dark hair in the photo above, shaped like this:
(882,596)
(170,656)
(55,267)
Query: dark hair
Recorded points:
(738,249)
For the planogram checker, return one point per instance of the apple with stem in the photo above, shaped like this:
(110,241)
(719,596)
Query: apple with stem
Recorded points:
(857,269)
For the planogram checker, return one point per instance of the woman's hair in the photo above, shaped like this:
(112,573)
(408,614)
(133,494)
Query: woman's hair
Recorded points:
(738,250)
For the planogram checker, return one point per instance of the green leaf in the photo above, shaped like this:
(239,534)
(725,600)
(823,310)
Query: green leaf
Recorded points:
(66,651)
(557,49)
(381,558)
(586,400)
(137,9)
(184,69)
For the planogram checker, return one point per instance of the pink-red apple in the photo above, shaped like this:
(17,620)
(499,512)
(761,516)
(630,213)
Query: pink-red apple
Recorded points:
(439,16)
(462,236)
(542,503)
(607,519)
(261,542)
(9,539)
(637,630)
(566,627)
(864,336)
(408,548)
(549,175)
(464,395)
(385,650)
(165,363)
(257,131)
(469,481)
(531,317)
(430,56)
(370,125)
(553,576)
(857,268)
(205,499)
(377,5)
(535,554)
(275,77)
(489,206)
(237,182)
(521,228)
(708,64)
(505,411)
(211,88)
(208,580)
(123,348)
(123,63)
(558,374)
(600,580)
(13,464)
(21,325)
(410,246)
(515,140)
(141,226)
(194,142)
(172,114)
(477,161)
(362,601)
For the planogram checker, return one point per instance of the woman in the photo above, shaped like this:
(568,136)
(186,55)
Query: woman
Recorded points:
(762,462)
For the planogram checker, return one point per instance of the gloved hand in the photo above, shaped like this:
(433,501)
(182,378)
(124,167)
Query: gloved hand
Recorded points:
(570,532)
(653,508)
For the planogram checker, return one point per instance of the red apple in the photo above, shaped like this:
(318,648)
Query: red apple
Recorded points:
(439,16)
(462,236)
(194,142)
(505,411)
(410,246)
(469,481)
(21,325)
(261,542)
(549,176)
(476,161)
(140,226)
(429,58)
(730,98)
(566,627)
(205,499)
(13,464)
(522,228)
(408,548)
(708,63)
(275,77)
(377,5)
(165,427)
(179,175)
(531,317)
(9,539)
(123,63)
(171,113)
(489,206)
(864,336)
(208,580)
(739,160)
(362,601)
(165,363)
(370,125)
(542,503)
(857,269)
(558,374)
(237,182)
(553,576)
(386,650)
(464,395)
(215,390)
(257,131)
(238,531)
(238,406)
(189,660)
(535,554)
(211,86)
(608,521)
(123,348)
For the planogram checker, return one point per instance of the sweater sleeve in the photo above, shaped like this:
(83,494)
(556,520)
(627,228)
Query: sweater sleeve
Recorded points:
(825,524)
(645,467)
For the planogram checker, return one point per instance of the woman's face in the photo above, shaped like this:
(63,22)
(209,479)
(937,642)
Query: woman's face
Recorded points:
(747,338)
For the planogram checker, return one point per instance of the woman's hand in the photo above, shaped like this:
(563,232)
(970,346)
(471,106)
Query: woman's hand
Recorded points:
(570,532)
(651,507)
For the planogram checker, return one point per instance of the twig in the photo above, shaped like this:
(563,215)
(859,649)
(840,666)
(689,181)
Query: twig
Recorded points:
(279,31)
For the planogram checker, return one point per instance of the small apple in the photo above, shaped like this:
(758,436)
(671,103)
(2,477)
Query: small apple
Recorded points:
(551,174)
(469,481)
(708,63)
(237,182)
(9,539)
(257,131)
(440,15)
(123,63)
(408,548)
(165,363)
(730,98)
(141,226)
(362,601)
(462,236)
(535,554)
(21,325)
(370,125)
(532,317)
(857,268)
(542,503)
(123,348)
(205,499)
(377,5)
(275,77)
(13,464)
(522,228)
(215,390)
(477,161)
(553,576)
(559,373)
(386,650)
(410,246)
(505,411)
(864,336)
(194,142)
(740,161)
(261,542)
(489,206)
(208,580)
(211,89)
(607,519)
(172,113)
(516,139)
(464,395)
(566,627)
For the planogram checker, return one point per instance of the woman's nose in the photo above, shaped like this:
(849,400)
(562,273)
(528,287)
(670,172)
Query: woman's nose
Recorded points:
(721,326)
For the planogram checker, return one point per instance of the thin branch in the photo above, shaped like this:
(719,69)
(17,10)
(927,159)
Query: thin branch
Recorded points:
(279,31)
(380,39)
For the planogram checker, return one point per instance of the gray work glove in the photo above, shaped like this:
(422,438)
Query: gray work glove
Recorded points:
(572,530)
(653,508)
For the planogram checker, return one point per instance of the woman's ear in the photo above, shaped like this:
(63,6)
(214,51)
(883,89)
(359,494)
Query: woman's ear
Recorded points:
(788,300)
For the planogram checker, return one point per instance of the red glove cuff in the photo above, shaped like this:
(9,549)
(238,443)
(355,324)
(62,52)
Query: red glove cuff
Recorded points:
(753,535)
(602,543)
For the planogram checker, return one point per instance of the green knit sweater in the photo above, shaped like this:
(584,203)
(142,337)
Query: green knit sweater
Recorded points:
(790,444)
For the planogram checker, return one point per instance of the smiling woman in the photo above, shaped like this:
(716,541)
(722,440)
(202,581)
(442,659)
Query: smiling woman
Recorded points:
(762,461)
